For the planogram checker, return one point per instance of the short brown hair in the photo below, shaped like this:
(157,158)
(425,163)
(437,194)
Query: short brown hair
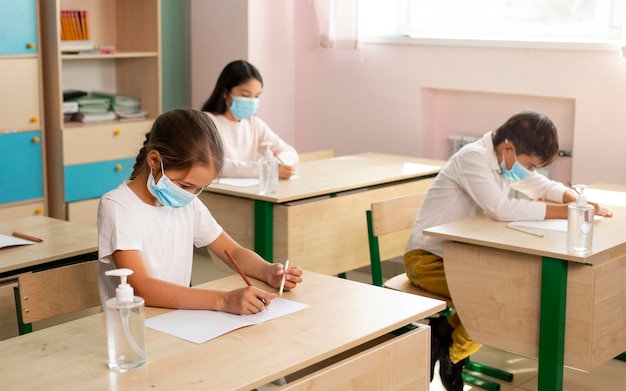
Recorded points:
(532,134)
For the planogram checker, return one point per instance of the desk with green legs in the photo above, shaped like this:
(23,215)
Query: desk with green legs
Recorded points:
(316,219)
(527,295)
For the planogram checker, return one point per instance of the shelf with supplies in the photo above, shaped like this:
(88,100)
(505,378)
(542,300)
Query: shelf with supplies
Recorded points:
(120,55)
(22,177)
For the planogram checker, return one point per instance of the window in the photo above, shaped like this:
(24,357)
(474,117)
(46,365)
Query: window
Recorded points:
(512,20)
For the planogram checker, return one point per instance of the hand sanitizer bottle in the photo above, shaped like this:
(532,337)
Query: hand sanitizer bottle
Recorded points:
(268,171)
(580,223)
(125,326)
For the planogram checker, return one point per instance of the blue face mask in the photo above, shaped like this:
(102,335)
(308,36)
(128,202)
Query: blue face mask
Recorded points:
(243,108)
(517,171)
(168,193)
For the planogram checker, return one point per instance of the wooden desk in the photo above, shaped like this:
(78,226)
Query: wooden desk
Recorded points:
(346,327)
(529,296)
(63,243)
(317,220)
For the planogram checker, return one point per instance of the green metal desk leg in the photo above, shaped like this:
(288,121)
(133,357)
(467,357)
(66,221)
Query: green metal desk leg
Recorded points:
(552,324)
(264,229)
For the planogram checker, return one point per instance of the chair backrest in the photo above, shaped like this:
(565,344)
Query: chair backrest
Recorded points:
(57,291)
(316,155)
(391,218)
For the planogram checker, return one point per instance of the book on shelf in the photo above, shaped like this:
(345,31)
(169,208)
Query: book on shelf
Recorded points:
(73,94)
(74,25)
(94,118)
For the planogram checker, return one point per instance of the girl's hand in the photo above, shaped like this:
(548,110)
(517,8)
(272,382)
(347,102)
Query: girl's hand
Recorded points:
(245,301)
(293,276)
(285,172)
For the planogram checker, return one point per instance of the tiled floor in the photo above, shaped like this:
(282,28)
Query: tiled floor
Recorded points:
(608,377)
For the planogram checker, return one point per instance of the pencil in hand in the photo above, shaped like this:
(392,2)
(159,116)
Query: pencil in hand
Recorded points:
(241,273)
(282,282)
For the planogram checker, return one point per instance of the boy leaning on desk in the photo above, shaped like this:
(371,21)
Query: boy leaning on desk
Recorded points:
(477,179)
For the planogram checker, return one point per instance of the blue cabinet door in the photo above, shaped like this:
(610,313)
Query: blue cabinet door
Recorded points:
(18,27)
(21,170)
(92,180)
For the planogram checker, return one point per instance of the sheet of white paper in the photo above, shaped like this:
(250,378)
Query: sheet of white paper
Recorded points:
(550,224)
(7,241)
(237,182)
(200,326)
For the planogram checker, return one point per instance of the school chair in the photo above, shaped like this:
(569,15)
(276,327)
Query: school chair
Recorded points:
(63,290)
(316,155)
(391,220)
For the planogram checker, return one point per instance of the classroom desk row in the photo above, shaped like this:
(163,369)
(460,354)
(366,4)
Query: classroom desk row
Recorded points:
(63,243)
(317,219)
(342,341)
(564,308)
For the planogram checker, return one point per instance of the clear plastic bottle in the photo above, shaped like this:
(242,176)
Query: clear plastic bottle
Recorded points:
(268,172)
(125,326)
(580,223)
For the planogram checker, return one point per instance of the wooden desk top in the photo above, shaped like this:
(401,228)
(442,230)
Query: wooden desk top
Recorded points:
(609,235)
(342,314)
(342,173)
(61,239)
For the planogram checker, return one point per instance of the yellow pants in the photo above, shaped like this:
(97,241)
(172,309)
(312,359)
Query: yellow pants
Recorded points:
(425,270)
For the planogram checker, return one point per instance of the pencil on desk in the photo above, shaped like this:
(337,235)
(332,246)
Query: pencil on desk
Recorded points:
(241,273)
(537,234)
(282,282)
(27,237)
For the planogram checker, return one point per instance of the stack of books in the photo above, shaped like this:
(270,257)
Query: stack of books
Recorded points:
(125,107)
(93,109)
(75,32)
(74,25)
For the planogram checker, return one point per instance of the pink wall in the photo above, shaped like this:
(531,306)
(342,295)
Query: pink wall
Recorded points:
(388,98)
(406,98)
(262,32)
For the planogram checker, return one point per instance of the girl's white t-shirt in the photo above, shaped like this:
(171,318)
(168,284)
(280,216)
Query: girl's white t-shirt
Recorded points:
(164,235)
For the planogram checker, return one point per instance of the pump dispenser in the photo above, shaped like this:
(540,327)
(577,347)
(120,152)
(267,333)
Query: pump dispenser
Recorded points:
(268,171)
(125,326)
(580,222)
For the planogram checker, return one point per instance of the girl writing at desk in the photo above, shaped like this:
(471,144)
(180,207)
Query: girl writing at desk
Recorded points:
(232,106)
(150,223)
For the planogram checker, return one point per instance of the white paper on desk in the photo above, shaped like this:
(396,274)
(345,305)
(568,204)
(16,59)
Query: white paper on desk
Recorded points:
(559,225)
(237,182)
(200,326)
(550,224)
(8,241)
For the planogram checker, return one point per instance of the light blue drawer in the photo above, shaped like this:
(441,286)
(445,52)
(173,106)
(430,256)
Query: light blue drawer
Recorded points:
(21,170)
(18,27)
(92,180)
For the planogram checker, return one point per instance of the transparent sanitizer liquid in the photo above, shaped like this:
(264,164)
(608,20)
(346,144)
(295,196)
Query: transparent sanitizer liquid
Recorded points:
(125,320)
(580,225)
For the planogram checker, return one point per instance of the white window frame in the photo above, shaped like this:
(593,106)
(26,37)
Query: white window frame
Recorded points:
(401,7)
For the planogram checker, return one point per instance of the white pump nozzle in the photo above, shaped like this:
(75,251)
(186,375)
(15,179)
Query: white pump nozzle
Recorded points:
(268,152)
(124,292)
(581,200)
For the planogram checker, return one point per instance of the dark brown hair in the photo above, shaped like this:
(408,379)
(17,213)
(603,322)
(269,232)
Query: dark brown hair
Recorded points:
(233,74)
(532,134)
(184,138)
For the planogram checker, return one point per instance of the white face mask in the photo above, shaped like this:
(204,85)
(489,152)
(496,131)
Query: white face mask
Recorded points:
(168,193)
